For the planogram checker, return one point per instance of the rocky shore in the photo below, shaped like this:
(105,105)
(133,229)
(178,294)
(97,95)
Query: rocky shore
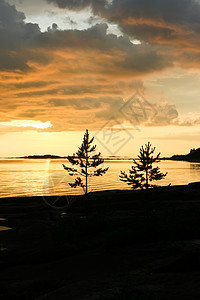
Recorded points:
(121,245)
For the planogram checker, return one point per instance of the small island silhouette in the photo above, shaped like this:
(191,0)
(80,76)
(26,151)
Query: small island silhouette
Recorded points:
(46,156)
(193,156)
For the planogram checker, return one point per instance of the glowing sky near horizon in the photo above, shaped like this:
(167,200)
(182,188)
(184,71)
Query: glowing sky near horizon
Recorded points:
(70,65)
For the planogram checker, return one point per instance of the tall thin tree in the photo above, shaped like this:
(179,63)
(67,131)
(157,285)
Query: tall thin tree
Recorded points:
(86,162)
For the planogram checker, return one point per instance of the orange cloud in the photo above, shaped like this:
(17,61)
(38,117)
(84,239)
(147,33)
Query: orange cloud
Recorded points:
(76,77)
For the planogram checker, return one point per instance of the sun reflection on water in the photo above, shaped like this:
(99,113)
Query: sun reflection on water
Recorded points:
(36,177)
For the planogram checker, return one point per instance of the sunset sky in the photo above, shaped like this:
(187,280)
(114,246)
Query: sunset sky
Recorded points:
(128,70)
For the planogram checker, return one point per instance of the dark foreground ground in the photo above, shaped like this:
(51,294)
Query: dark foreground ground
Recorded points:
(131,245)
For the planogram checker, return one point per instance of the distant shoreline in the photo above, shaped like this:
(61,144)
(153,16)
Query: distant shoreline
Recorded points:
(192,156)
(54,157)
(49,156)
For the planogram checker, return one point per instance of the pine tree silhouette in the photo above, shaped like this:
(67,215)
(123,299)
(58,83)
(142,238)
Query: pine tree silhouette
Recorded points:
(86,162)
(142,172)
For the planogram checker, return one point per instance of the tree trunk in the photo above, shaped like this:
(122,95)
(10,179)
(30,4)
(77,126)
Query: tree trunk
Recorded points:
(147,179)
(146,194)
(86,184)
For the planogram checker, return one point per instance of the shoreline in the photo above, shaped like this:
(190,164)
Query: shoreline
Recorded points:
(189,186)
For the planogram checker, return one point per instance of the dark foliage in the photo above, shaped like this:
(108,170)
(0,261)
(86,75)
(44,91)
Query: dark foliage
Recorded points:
(142,172)
(86,162)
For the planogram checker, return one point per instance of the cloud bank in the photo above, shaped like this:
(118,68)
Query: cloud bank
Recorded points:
(78,76)
(158,21)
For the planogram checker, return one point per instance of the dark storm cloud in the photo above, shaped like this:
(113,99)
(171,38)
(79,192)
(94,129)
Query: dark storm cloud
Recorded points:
(172,11)
(171,22)
(14,33)
(23,43)
(175,23)
(158,21)
(124,56)
(30,6)
(96,5)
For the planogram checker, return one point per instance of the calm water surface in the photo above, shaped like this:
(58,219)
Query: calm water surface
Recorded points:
(31,177)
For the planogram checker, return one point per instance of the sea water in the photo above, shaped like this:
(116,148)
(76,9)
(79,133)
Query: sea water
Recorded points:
(36,177)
